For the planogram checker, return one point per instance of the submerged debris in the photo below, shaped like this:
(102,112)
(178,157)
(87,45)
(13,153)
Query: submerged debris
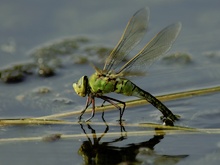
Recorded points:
(178,59)
(52,137)
(45,60)
(94,54)
(45,71)
(213,55)
(98,51)
(9,46)
(62,47)
(42,90)
(16,73)
(20,97)
(63,100)
(51,56)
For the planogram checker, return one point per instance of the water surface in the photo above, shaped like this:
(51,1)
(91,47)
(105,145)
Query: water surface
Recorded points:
(28,25)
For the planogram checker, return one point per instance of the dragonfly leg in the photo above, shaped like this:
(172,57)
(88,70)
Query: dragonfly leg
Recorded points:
(121,109)
(110,100)
(93,109)
(88,103)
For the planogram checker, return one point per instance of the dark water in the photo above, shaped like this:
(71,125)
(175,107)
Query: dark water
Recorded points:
(28,25)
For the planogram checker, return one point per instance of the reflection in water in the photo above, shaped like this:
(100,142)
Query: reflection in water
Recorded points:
(94,152)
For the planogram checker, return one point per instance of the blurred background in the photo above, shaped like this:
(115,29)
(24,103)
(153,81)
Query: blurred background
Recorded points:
(47,45)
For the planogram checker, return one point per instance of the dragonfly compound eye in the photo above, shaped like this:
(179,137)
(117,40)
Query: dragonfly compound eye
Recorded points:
(80,87)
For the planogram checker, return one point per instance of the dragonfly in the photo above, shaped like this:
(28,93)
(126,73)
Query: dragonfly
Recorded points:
(112,78)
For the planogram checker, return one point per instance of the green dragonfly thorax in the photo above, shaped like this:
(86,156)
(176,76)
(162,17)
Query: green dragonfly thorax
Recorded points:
(99,84)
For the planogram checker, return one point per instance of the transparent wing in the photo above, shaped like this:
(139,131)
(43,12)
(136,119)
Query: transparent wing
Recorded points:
(154,49)
(132,35)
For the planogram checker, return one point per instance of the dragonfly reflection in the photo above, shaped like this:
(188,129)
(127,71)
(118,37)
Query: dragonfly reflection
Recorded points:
(95,152)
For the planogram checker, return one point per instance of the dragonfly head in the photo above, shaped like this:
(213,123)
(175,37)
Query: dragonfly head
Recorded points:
(81,86)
